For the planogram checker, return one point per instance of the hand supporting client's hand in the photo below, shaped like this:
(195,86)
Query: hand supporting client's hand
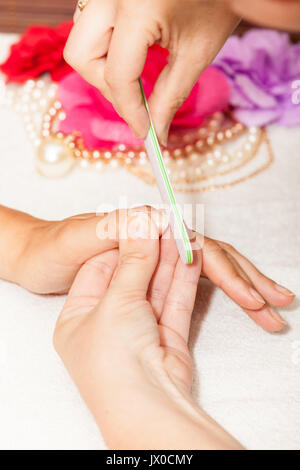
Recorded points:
(123,337)
(45,256)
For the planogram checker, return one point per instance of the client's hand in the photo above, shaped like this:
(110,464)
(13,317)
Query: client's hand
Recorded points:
(123,338)
(45,256)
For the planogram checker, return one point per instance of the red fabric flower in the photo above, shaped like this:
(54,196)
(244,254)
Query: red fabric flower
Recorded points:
(39,50)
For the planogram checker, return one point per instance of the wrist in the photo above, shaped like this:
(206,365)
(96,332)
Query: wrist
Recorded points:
(151,410)
(19,233)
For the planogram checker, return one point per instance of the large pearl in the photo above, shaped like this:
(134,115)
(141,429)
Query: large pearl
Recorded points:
(54,158)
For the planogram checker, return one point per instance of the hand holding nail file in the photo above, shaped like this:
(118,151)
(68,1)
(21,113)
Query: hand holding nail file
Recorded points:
(177,224)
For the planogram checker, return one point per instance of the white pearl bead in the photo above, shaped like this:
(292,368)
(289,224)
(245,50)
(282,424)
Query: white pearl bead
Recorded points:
(29,84)
(114,163)
(36,94)
(43,103)
(177,152)
(99,166)
(51,93)
(54,158)
(84,164)
(96,154)
(32,135)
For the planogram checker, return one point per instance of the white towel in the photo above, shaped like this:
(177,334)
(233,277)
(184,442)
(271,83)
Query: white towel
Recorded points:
(247,379)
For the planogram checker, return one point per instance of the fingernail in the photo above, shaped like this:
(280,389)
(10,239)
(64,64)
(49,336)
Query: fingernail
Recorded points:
(139,227)
(165,135)
(142,125)
(256,295)
(276,316)
(284,290)
(161,219)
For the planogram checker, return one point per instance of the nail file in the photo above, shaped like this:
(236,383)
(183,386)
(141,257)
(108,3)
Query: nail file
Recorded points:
(177,223)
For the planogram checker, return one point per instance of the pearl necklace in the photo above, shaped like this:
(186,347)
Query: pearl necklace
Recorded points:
(192,157)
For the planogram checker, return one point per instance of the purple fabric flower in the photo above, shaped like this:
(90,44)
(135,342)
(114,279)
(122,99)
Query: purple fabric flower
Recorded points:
(261,67)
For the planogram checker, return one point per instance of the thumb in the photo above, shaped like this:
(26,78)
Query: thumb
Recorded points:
(172,88)
(138,257)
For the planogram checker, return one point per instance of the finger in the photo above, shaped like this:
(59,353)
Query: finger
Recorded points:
(125,62)
(173,87)
(139,251)
(267,318)
(224,273)
(90,284)
(284,15)
(163,275)
(273,293)
(82,237)
(180,301)
(89,40)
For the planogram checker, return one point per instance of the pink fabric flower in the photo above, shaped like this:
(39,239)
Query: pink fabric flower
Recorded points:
(90,113)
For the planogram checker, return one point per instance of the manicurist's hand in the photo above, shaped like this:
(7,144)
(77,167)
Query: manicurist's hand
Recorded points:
(123,336)
(283,14)
(110,39)
(45,256)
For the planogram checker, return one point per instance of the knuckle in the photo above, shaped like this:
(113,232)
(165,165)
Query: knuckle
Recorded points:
(212,247)
(103,268)
(135,257)
(226,246)
(69,55)
(111,78)
(178,305)
(73,57)
(226,282)
(156,293)
(177,102)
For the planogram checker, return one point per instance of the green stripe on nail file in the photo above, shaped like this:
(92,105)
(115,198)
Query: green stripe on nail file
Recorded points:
(177,224)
